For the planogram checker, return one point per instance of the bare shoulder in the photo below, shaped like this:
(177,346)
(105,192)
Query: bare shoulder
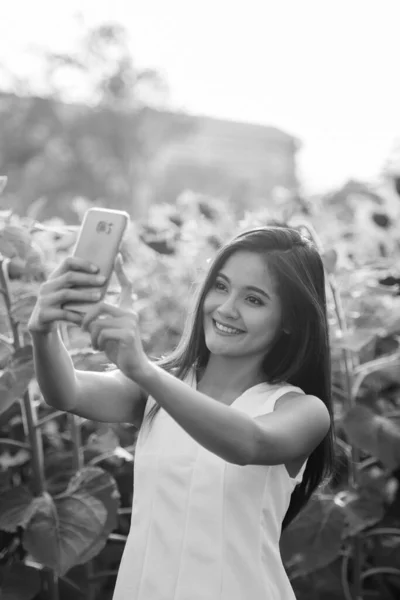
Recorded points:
(288,435)
(305,406)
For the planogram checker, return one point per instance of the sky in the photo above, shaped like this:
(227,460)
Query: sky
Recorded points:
(325,71)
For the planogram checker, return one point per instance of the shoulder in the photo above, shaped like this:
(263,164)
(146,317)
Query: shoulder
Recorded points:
(305,405)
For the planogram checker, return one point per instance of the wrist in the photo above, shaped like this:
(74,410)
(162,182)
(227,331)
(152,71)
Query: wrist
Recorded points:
(145,374)
(40,331)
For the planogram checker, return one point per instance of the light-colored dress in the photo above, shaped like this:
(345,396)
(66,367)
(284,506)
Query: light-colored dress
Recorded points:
(203,528)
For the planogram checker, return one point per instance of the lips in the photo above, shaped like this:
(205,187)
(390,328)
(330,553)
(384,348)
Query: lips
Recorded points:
(226,329)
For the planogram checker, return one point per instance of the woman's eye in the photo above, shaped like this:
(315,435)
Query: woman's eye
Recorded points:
(219,286)
(254,300)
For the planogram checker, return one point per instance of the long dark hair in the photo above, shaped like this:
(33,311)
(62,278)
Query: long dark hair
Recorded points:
(300,357)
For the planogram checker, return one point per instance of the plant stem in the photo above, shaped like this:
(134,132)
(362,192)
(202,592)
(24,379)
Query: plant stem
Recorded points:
(77,450)
(15,443)
(78,464)
(51,584)
(35,441)
(348,366)
(29,417)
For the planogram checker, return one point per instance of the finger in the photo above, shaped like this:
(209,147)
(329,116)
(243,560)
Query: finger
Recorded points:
(111,335)
(58,314)
(126,295)
(71,295)
(96,327)
(73,279)
(102,308)
(74,263)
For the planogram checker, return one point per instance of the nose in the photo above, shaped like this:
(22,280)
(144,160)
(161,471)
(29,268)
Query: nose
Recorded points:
(229,308)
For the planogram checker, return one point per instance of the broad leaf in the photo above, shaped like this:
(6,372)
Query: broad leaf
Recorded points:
(6,351)
(61,530)
(19,582)
(314,539)
(103,487)
(104,440)
(17,240)
(363,508)
(22,307)
(59,469)
(16,459)
(16,377)
(15,508)
(374,434)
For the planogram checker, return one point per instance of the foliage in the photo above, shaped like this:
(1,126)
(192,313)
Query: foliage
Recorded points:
(347,540)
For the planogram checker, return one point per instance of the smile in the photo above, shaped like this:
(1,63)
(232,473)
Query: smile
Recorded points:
(225,330)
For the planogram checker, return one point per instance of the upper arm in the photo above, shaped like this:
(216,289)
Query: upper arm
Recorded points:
(292,431)
(109,397)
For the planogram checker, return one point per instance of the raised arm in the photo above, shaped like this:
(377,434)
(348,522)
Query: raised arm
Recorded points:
(288,434)
(291,432)
(110,396)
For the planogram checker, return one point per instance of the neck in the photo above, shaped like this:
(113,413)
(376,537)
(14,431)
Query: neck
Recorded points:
(229,378)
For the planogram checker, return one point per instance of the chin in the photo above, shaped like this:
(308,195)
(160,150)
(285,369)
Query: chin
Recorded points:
(220,347)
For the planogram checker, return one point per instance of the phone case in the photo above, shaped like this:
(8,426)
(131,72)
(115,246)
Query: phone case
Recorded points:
(98,241)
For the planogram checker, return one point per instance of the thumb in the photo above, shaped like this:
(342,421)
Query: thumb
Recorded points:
(126,297)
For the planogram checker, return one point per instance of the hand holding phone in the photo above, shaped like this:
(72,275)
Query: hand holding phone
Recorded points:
(98,242)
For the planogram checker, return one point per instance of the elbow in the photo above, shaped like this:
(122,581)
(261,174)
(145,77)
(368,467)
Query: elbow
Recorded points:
(246,452)
(261,449)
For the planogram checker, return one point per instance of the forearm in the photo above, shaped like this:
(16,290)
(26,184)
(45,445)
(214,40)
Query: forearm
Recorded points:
(220,429)
(54,370)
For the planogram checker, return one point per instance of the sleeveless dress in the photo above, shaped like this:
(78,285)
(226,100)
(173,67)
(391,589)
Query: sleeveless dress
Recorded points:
(203,528)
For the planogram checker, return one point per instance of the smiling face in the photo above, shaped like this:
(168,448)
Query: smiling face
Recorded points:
(242,310)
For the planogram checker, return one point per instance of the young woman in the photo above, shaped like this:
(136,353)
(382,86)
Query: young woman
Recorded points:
(235,426)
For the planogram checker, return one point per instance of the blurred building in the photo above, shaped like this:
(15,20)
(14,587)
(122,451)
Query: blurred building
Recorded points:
(58,152)
(242,161)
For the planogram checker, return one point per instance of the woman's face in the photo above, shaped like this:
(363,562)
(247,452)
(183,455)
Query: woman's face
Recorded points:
(242,310)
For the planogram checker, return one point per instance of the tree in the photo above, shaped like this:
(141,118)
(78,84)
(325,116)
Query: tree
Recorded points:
(91,134)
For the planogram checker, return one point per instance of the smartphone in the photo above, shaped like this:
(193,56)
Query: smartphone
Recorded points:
(99,240)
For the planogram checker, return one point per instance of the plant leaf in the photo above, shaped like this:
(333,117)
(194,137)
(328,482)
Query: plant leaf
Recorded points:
(16,238)
(314,539)
(102,486)
(105,440)
(20,369)
(22,308)
(363,508)
(374,434)
(15,508)
(62,529)
(16,377)
(6,351)
(19,582)
(355,340)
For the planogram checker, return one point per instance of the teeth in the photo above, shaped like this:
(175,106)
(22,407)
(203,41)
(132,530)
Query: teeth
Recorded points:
(226,329)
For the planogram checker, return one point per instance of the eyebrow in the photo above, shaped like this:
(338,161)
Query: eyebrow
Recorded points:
(252,288)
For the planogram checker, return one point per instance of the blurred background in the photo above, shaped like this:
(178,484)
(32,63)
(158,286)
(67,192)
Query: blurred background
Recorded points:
(131,103)
(199,119)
